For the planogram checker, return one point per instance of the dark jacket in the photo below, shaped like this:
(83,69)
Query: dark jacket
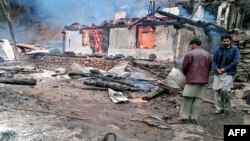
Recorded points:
(227,58)
(196,66)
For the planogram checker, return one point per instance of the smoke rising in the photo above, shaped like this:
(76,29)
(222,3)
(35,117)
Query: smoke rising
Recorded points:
(65,12)
(43,15)
(207,15)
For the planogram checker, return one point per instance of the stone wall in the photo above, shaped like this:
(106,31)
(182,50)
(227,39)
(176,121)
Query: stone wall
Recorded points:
(53,62)
(243,74)
(73,43)
(170,43)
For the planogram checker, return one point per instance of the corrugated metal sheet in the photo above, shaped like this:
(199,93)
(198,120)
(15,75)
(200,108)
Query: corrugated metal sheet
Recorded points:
(176,79)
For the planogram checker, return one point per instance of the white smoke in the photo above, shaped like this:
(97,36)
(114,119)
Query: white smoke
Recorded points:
(64,12)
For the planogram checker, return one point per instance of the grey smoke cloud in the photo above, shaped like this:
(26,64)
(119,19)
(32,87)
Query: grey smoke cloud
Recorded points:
(65,12)
(84,11)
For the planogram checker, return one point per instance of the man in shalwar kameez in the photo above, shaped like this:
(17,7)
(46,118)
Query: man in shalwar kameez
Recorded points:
(225,62)
(196,67)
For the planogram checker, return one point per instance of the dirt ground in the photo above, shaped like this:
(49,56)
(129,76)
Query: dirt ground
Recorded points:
(88,115)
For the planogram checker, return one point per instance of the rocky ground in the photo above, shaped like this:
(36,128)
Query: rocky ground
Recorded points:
(60,109)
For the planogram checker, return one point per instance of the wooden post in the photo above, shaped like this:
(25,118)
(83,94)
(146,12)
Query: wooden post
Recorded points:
(5,5)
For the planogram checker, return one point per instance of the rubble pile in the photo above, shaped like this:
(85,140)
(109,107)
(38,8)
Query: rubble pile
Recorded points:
(158,68)
(53,62)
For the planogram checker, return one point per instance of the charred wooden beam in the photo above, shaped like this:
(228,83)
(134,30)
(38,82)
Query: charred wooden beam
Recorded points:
(18,81)
(130,84)
(23,70)
(112,85)
(170,15)
(156,23)
(143,19)
(147,69)
(96,27)
(140,20)
(104,78)
(78,75)
(209,26)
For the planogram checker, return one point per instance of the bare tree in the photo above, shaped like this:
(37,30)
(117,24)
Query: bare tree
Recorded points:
(5,5)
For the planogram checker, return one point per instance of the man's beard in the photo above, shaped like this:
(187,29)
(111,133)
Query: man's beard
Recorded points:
(225,45)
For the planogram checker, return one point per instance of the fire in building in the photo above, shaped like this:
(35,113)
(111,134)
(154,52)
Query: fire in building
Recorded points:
(164,34)
(156,34)
(122,79)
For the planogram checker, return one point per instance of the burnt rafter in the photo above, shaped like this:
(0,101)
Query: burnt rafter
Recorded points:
(179,23)
(205,25)
(143,18)
(157,24)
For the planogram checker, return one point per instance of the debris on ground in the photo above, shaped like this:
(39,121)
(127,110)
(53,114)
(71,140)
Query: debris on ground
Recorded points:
(7,135)
(68,83)
(117,97)
(59,94)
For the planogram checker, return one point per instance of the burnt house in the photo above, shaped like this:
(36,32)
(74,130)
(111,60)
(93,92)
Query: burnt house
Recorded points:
(163,36)
(97,38)
(72,40)
(90,39)
(160,33)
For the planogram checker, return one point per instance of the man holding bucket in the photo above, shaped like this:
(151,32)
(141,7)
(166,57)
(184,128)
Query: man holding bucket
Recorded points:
(196,67)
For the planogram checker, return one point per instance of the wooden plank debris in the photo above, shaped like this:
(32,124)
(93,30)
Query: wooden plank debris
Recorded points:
(147,69)
(112,85)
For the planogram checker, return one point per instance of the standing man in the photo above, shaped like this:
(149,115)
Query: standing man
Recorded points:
(196,67)
(225,62)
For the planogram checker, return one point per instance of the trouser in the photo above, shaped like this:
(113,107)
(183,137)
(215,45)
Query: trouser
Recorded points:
(190,107)
(222,99)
